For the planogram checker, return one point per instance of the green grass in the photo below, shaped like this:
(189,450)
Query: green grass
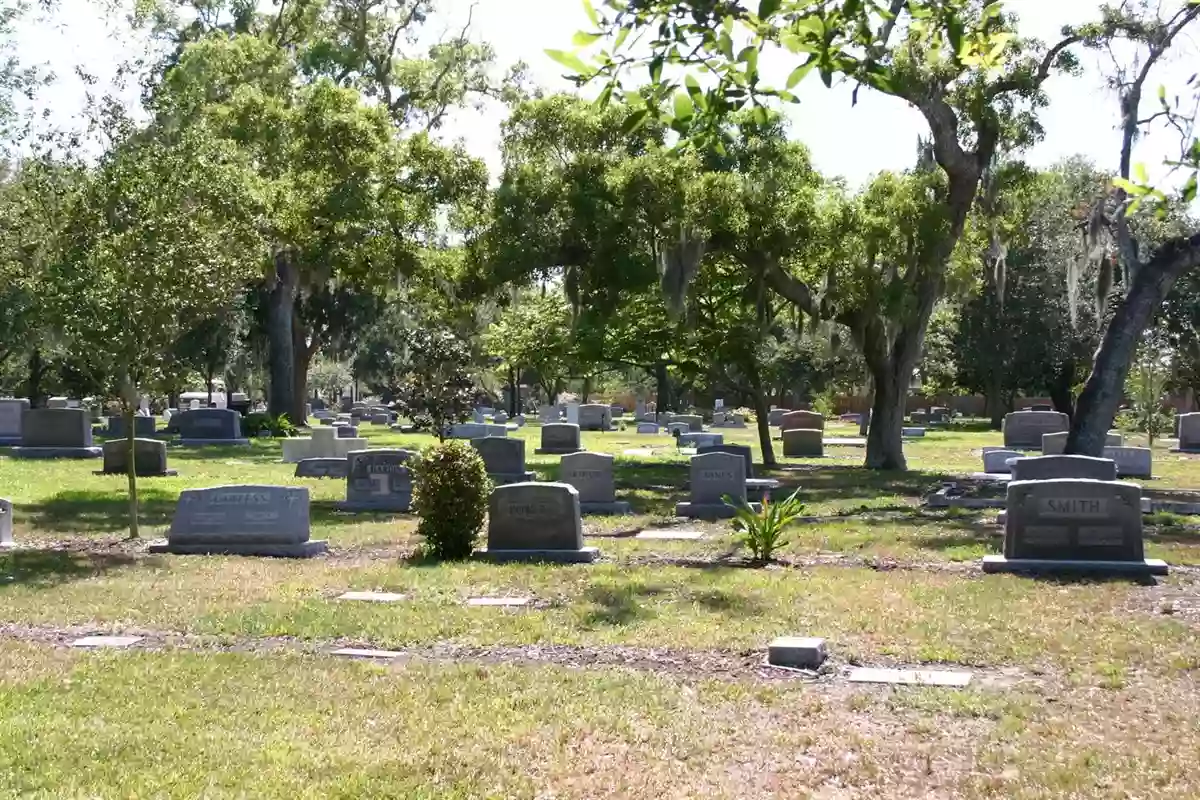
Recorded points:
(884,580)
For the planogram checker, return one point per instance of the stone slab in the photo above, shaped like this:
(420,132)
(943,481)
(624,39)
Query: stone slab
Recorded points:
(500,602)
(910,677)
(710,510)
(915,433)
(669,536)
(358,652)
(584,555)
(372,597)
(106,641)
(613,508)
(307,549)
(322,468)
(1046,566)
(797,652)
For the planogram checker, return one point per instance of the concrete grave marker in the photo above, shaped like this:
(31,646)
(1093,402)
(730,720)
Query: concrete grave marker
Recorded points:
(504,459)
(56,433)
(98,642)
(592,476)
(594,417)
(1132,462)
(360,652)
(150,458)
(323,443)
(796,652)
(1037,468)
(695,422)
(647,429)
(995,462)
(1074,525)
(378,480)
(210,426)
(803,442)
(11,412)
(713,477)
(371,597)
(1024,429)
(670,535)
(143,427)
(559,438)
(535,522)
(322,468)
(242,520)
(794,420)
(690,439)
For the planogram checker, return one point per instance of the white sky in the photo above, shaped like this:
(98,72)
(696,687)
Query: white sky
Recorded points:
(880,133)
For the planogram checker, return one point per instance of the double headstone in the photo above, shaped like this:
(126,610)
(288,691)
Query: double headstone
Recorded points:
(56,433)
(592,476)
(504,459)
(242,520)
(595,417)
(11,412)
(378,480)
(559,438)
(1025,429)
(1073,525)
(210,426)
(535,522)
(149,458)
(717,486)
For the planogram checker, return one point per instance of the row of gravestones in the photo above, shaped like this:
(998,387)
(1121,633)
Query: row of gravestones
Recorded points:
(1047,431)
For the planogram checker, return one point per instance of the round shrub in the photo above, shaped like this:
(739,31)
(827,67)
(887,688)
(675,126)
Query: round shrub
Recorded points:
(450,492)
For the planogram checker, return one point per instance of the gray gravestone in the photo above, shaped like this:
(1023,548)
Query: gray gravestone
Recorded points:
(1132,462)
(548,414)
(695,422)
(1025,429)
(500,417)
(559,438)
(535,522)
(322,468)
(11,412)
(1041,468)
(378,480)
(381,419)
(678,428)
(995,462)
(504,459)
(56,433)
(345,431)
(211,426)
(647,428)
(809,420)
(1041,407)
(919,417)
(1073,525)
(242,520)
(592,476)
(775,416)
(142,427)
(476,430)
(149,455)
(803,442)
(713,476)
(737,449)
(6,523)
(326,420)
(594,417)
(699,439)
(1188,431)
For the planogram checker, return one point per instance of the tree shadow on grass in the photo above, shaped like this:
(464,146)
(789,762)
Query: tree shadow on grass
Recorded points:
(45,569)
(618,605)
(722,602)
(92,511)
(838,482)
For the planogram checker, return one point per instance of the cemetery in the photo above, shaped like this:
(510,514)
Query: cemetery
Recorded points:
(490,400)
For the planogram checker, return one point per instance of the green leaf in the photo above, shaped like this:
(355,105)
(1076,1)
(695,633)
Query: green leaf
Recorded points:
(656,67)
(583,38)
(568,60)
(683,106)
(1131,188)
(695,92)
(590,10)
(767,8)
(954,32)
(1189,189)
(799,72)
(622,35)
(635,120)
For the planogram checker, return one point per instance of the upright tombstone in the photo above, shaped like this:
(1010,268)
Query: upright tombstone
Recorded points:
(323,443)
(592,476)
(378,480)
(211,426)
(349,432)
(142,427)
(803,442)
(794,420)
(1074,525)
(775,416)
(939,415)
(1054,444)
(639,410)
(56,433)
(616,411)
(648,428)
(11,412)
(149,458)
(1041,468)
(1041,407)
(500,417)
(919,417)
(535,522)
(690,439)
(572,413)
(559,438)
(548,414)
(714,476)
(504,459)
(322,468)
(735,420)
(995,460)
(58,402)
(695,422)
(241,520)
(1132,462)
(1023,430)
(1188,431)
(6,523)
(678,428)
(756,488)
(381,418)
(594,417)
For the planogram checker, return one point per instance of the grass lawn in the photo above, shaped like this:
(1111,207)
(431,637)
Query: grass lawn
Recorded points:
(638,676)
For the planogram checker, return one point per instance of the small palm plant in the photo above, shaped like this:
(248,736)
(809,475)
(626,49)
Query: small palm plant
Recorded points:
(762,531)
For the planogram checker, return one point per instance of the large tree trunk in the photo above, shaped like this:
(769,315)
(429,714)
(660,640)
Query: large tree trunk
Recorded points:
(33,387)
(303,352)
(1060,389)
(762,420)
(131,470)
(662,398)
(885,443)
(1104,389)
(281,307)
(994,401)
(864,421)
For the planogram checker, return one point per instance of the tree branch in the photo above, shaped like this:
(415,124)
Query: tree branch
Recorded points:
(1014,82)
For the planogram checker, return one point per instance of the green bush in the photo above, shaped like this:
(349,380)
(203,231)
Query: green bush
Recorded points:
(261,422)
(450,492)
(762,531)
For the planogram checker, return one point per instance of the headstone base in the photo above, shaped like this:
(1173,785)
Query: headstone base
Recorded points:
(615,507)
(757,487)
(170,473)
(322,468)
(57,452)
(1047,566)
(912,432)
(584,555)
(10,441)
(710,510)
(215,442)
(272,550)
(555,451)
(505,478)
